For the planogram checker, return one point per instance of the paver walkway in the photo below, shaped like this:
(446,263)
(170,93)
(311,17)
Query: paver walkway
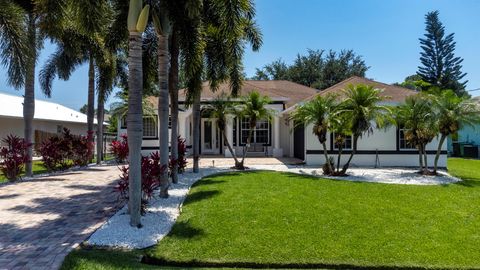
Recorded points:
(43,219)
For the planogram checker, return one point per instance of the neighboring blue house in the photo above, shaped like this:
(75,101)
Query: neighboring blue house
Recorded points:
(468,135)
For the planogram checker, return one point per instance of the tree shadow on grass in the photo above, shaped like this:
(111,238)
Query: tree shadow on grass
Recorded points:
(200,195)
(208,181)
(183,229)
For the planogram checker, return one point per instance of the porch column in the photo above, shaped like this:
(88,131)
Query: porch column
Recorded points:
(277,151)
(182,125)
(229,131)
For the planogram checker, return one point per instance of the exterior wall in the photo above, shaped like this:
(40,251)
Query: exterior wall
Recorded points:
(15,126)
(286,133)
(382,141)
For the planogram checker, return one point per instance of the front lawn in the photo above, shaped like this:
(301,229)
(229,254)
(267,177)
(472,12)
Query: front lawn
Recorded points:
(278,219)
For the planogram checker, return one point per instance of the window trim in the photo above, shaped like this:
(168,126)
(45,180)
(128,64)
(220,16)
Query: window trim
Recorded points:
(269,132)
(399,138)
(334,146)
(149,137)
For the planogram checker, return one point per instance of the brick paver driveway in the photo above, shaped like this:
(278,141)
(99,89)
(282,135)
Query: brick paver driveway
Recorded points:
(42,220)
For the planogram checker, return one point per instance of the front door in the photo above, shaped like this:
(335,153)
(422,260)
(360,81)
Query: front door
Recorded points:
(209,137)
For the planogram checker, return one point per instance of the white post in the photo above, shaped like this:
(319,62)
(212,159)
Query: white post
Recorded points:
(229,131)
(277,151)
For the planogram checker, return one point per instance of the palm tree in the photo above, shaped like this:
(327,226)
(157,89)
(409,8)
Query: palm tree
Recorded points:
(163,27)
(317,112)
(254,108)
(452,113)
(81,38)
(212,45)
(219,109)
(361,106)
(136,23)
(417,117)
(23,24)
(173,90)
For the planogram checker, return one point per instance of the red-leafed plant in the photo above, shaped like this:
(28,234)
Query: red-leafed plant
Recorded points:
(82,149)
(14,156)
(151,172)
(119,149)
(181,161)
(61,152)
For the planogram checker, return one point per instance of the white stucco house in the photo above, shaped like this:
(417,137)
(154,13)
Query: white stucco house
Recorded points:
(279,138)
(49,118)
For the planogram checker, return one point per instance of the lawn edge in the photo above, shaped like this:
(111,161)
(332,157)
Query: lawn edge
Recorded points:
(149,260)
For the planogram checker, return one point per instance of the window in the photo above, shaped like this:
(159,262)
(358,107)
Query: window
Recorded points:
(403,144)
(347,145)
(150,129)
(260,135)
(123,122)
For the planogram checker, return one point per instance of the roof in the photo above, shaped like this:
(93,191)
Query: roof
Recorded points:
(476,99)
(12,106)
(278,90)
(390,92)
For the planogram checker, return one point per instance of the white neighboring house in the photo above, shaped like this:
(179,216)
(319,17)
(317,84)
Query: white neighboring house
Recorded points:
(49,118)
(279,137)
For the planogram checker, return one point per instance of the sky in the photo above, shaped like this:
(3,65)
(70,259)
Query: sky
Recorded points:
(384,32)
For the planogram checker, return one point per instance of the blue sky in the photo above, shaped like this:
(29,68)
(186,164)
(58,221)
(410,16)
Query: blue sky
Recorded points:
(384,32)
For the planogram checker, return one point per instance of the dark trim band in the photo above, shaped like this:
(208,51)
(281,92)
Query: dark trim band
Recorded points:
(374,152)
(156,147)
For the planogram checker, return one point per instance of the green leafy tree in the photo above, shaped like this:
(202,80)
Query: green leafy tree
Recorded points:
(362,107)
(317,69)
(415,82)
(417,117)
(318,112)
(254,108)
(453,113)
(440,67)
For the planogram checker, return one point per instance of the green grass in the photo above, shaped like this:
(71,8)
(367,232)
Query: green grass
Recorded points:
(37,168)
(269,218)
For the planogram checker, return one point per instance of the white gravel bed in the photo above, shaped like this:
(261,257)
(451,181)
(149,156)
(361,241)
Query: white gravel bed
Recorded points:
(404,176)
(157,222)
(162,213)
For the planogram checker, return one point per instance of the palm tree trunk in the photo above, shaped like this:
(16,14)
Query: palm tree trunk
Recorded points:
(439,150)
(91,97)
(135,126)
(249,140)
(327,158)
(420,158)
(224,134)
(196,132)
(339,157)
(173,89)
(425,158)
(354,150)
(100,117)
(29,97)
(163,111)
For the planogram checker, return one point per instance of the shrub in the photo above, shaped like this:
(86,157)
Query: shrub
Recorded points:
(151,172)
(82,149)
(61,152)
(181,161)
(14,156)
(120,149)
(52,156)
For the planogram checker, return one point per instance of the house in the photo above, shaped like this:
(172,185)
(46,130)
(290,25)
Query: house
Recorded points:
(384,147)
(280,138)
(467,141)
(269,139)
(50,118)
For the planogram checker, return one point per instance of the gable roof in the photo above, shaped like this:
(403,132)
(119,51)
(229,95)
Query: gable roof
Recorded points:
(391,93)
(278,90)
(12,106)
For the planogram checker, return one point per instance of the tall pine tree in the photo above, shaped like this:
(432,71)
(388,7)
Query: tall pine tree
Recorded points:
(440,67)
